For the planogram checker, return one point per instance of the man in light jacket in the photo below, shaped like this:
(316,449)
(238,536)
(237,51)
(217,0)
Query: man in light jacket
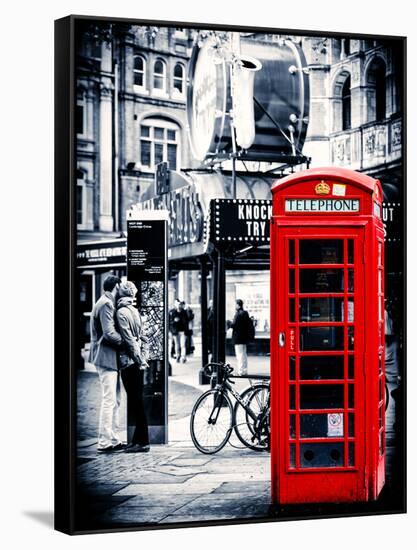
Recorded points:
(105,344)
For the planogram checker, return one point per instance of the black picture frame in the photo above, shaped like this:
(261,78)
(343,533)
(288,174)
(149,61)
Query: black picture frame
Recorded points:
(67,305)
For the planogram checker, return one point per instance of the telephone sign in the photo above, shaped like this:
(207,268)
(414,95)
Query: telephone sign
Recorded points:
(322,205)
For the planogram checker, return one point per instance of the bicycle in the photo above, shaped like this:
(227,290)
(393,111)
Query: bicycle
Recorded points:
(214,418)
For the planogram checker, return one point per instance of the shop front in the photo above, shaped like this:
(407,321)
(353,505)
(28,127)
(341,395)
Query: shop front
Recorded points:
(95,261)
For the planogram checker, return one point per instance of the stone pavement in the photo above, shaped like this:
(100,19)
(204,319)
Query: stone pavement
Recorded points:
(175,483)
(172,483)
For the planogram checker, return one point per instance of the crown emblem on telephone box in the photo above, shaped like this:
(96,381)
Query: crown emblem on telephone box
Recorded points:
(322,188)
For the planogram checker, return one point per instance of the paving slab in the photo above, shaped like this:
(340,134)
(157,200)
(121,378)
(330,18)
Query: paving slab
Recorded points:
(135,515)
(174,501)
(216,500)
(100,504)
(182,443)
(232,506)
(172,489)
(191,461)
(98,489)
(177,470)
(149,477)
(204,514)
(243,488)
(243,477)
(87,442)
(246,468)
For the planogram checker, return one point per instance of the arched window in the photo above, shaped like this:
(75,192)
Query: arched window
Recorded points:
(139,71)
(376,91)
(341,102)
(159,142)
(179,79)
(346,105)
(159,76)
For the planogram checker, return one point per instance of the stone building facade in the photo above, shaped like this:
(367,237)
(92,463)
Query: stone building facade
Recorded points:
(131,115)
(130,109)
(356,105)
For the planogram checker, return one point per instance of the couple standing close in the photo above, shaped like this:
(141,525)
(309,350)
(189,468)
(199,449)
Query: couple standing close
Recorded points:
(118,349)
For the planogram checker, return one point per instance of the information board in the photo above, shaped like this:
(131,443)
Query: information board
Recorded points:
(147,268)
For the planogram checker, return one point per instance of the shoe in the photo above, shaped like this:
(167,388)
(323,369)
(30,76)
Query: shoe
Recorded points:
(183,359)
(136,448)
(120,447)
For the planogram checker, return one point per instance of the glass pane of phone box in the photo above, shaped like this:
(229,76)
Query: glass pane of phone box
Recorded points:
(321,251)
(321,338)
(322,367)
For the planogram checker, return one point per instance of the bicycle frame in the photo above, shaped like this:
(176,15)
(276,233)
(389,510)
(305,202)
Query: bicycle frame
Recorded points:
(225,387)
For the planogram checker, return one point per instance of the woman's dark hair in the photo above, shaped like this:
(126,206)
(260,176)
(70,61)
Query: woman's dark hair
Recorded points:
(239,302)
(110,282)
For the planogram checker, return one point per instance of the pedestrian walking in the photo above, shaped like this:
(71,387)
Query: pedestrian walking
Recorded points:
(243,333)
(133,364)
(105,344)
(178,323)
(189,341)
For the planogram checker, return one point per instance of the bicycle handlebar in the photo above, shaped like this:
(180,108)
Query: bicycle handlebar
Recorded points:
(225,368)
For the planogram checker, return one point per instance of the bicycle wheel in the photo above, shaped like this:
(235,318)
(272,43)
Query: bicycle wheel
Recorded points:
(260,401)
(253,432)
(211,421)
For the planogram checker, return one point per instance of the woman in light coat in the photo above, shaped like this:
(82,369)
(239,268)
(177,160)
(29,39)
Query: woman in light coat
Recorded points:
(133,363)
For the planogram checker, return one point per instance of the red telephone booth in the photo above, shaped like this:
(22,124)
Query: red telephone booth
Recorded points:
(327,338)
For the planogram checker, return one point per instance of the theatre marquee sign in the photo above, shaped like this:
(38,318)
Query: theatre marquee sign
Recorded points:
(245,220)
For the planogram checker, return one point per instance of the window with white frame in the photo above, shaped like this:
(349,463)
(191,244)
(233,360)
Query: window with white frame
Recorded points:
(180,33)
(159,77)
(139,72)
(80,117)
(179,79)
(159,142)
(81,200)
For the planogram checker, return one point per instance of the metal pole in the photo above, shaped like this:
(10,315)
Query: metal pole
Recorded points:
(221,308)
(203,378)
(215,277)
(117,224)
(234,176)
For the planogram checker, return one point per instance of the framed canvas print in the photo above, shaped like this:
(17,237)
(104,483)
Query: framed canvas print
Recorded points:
(230,267)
